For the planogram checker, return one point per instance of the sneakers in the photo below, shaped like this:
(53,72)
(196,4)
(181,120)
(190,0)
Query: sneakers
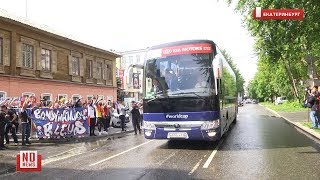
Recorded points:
(100,133)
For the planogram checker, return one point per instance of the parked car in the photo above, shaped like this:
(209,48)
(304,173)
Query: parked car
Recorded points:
(115,120)
(240,103)
(280,100)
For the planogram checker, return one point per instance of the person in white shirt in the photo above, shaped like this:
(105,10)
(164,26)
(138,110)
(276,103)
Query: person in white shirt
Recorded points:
(122,110)
(92,117)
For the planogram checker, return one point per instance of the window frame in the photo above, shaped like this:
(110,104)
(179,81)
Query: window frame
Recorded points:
(1,51)
(99,97)
(89,68)
(138,59)
(62,96)
(108,72)
(24,61)
(99,70)
(28,94)
(77,72)
(75,95)
(44,58)
(89,97)
(4,94)
(47,94)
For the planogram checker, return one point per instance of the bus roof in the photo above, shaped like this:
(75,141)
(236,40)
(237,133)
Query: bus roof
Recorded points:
(177,43)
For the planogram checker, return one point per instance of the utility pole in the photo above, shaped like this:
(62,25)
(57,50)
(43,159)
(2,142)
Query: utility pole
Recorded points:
(26,9)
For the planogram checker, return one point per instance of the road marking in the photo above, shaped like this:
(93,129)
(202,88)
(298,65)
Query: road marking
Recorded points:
(170,156)
(206,165)
(195,168)
(116,155)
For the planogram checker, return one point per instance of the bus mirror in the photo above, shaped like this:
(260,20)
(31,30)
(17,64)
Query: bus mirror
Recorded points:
(217,68)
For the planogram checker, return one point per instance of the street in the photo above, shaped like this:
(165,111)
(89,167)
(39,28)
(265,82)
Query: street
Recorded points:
(259,146)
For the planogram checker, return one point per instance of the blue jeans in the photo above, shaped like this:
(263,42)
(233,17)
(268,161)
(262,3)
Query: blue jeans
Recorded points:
(25,132)
(314,118)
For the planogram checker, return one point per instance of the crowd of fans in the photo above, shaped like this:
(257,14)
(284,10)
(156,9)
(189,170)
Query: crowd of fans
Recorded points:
(17,112)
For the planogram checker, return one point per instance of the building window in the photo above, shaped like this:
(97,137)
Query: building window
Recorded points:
(45,59)
(27,94)
(89,69)
(75,66)
(1,51)
(138,59)
(108,72)
(100,97)
(123,61)
(89,97)
(27,55)
(99,70)
(60,96)
(130,59)
(75,97)
(3,95)
(46,96)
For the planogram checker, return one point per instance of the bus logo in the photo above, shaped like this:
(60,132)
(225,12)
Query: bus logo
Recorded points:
(278,14)
(28,161)
(177,116)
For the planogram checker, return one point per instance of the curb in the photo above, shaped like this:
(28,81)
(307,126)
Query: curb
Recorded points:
(296,124)
(77,139)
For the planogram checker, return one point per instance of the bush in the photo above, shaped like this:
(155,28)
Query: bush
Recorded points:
(294,104)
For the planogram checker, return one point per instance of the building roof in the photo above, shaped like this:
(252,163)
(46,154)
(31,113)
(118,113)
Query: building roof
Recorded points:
(135,51)
(4,15)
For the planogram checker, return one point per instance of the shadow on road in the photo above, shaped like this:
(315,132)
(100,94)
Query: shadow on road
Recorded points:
(110,173)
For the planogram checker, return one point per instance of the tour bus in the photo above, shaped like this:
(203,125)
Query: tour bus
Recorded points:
(189,92)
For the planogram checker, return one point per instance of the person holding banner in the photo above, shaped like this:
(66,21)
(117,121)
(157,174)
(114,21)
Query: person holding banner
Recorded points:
(99,111)
(3,122)
(13,119)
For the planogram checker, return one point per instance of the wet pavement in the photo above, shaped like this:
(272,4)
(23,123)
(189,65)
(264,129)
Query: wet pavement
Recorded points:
(259,146)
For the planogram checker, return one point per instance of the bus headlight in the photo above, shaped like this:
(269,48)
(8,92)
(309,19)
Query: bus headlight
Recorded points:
(148,125)
(210,125)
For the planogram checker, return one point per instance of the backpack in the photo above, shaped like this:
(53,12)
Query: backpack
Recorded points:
(307,103)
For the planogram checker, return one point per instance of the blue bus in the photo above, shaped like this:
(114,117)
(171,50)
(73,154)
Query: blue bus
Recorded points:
(189,92)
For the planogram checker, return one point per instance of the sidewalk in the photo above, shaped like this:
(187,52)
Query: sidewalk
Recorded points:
(295,119)
(47,147)
(111,132)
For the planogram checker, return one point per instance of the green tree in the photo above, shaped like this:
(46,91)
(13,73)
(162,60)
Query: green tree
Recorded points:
(120,93)
(239,77)
(282,46)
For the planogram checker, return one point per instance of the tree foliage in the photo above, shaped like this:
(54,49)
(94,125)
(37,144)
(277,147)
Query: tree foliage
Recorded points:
(120,93)
(282,46)
(239,77)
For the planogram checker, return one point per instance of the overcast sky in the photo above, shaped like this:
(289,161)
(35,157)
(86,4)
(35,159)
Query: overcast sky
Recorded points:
(134,24)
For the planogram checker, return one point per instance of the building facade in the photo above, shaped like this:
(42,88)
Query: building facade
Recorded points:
(130,73)
(34,61)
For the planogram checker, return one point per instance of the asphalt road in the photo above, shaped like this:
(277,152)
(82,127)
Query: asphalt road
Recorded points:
(259,146)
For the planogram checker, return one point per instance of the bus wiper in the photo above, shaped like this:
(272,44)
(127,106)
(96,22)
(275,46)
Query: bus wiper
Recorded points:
(190,93)
(157,97)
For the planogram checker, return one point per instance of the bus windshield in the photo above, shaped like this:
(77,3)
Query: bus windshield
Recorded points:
(179,75)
